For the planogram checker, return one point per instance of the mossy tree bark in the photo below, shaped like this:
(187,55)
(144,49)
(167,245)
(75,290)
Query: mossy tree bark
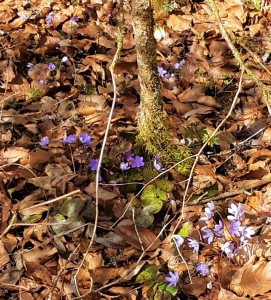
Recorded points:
(153,132)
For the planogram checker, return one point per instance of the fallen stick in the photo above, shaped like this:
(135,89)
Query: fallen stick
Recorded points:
(244,190)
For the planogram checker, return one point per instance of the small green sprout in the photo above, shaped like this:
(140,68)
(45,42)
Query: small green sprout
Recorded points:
(213,141)
(34,94)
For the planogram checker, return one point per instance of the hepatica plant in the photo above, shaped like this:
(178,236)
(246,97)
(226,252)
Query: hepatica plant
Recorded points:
(231,245)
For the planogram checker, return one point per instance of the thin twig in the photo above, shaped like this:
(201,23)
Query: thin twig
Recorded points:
(51,201)
(205,144)
(12,220)
(111,68)
(59,274)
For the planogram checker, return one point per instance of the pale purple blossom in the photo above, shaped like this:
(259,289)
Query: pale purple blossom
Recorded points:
(64,59)
(228,248)
(235,228)
(156,164)
(219,230)
(93,164)
(237,212)
(246,233)
(208,234)
(124,166)
(168,75)
(75,19)
(49,18)
(85,139)
(194,245)
(178,239)
(161,72)
(51,67)
(128,155)
(173,279)
(209,211)
(23,16)
(44,141)
(137,162)
(70,139)
(30,66)
(179,64)
(202,268)
(41,81)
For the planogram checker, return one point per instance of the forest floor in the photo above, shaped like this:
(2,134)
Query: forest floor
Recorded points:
(159,235)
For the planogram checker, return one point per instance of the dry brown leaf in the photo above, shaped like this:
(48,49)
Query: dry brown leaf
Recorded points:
(112,240)
(102,193)
(5,204)
(253,278)
(39,256)
(70,27)
(93,260)
(15,154)
(38,158)
(129,235)
(178,23)
(4,255)
(39,272)
(103,274)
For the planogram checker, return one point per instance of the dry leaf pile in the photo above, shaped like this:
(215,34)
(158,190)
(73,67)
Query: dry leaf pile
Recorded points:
(55,84)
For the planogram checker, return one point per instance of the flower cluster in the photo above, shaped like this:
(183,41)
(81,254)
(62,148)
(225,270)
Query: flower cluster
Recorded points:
(236,229)
(163,73)
(51,66)
(84,139)
(132,161)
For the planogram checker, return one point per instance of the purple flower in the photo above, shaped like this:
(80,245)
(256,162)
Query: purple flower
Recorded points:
(128,155)
(93,164)
(219,230)
(23,17)
(51,67)
(124,166)
(113,182)
(246,233)
(208,211)
(178,239)
(64,59)
(202,268)
(237,212)
(44,141)
(41,81)
(173,279)
(193,244)
(70,139)
(228,248)
(49,18)
(179,64)
(161,72)
(235,227)
(156,164)
(137,162)
(85,139)
(30,66)
(208,234)
(168,75)
(75,19)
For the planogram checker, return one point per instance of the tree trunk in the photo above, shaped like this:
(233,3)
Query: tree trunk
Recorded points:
(153,132)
